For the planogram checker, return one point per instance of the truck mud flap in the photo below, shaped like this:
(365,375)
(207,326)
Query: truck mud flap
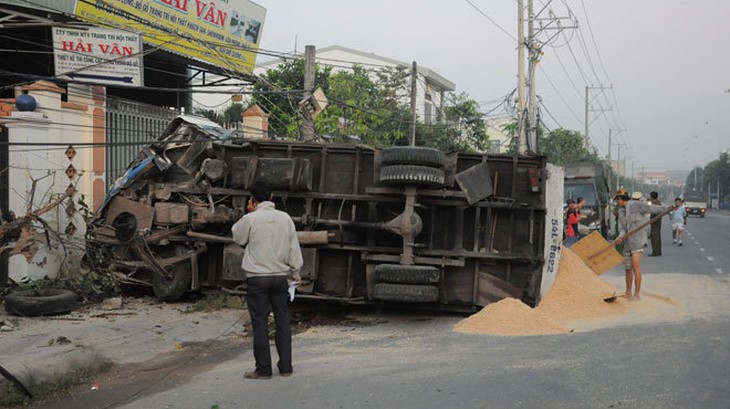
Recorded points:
(402,274)
(406,293)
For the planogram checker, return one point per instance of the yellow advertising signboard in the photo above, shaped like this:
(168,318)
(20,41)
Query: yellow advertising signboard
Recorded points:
(225,33)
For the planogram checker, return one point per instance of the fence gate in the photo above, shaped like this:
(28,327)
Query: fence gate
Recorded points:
(130,125)
(4,197)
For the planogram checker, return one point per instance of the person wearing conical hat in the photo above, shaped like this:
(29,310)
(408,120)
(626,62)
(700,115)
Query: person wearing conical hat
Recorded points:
(633,213)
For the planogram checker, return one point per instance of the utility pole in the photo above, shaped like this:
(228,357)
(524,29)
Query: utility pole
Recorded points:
(527,110)
(618,168)
(589,109)
(414,78)
(633,180)
(610,164)
(306,130)
(532,66)
(610,130)
(522,135)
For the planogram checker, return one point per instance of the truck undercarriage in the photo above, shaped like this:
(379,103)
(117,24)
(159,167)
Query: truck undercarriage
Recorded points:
(398,225)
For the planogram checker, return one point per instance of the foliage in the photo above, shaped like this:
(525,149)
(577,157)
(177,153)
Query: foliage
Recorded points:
(208,113)
(358,110)
(284,108)
(93,286)
(696,180)
(563,146)
(232,115)
(715,174)
(369,107)
(469,131)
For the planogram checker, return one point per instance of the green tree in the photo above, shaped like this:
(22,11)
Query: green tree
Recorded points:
(563,146)
(232,115)
(470,129)
(208,113)
(359,106)
(696,180)
(717,175)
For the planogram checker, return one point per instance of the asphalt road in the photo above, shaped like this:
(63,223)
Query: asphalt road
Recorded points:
(417,361)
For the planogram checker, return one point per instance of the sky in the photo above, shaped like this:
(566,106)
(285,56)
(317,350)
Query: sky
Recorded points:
(665,62)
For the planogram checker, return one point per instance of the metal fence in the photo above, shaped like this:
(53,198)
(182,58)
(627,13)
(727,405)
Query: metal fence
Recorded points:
(130,125)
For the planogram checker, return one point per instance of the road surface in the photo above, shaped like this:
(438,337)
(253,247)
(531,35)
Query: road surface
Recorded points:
(678,359)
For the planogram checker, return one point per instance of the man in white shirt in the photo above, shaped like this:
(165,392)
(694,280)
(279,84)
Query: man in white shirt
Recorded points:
(272,256)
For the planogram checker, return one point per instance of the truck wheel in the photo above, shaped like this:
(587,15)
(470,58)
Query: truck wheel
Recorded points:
(397,273)
(400,175)
(173,287)
(48,301)
(406,293)
(414,155)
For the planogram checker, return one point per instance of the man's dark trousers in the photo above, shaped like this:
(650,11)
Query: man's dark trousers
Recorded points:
(262,293)
(656,237)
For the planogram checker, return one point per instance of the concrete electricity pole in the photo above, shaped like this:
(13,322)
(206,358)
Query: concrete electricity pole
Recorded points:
(522,135)
(414,78)
(527,110)
(534,52)
(619,170)
(306,130)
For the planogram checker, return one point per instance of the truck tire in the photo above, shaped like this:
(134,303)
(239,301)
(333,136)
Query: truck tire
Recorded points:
(400,274)
(406,293)
(414,155)
(401,175)
(172,288)
(48,301)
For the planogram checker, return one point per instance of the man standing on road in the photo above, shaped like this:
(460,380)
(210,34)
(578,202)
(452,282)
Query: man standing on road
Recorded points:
(633,212)
(656,227)
(272,255)
(679,220)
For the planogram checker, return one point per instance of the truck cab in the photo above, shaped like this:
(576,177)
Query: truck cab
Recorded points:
(695,203)
(587,181)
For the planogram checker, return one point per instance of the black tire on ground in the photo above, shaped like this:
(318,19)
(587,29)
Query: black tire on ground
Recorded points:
(48,301)
(401,274)
(414,155)
(172,288)
(400,175)
(406,293)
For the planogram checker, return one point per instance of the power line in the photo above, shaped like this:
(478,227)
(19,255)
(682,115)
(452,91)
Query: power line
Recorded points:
(491,20)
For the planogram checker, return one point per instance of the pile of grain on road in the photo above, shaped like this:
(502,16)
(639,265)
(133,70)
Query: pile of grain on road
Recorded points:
(509,317)
(577,293)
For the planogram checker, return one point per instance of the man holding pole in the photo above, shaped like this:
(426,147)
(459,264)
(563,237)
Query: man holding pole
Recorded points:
(633,213)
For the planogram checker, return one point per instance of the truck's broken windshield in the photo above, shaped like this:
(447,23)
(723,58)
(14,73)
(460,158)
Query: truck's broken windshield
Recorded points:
(586,191)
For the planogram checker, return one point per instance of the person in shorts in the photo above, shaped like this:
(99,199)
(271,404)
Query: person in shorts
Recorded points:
(679,220)
(633,212)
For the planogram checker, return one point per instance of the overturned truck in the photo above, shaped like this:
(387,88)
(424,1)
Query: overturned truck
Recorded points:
(398,225)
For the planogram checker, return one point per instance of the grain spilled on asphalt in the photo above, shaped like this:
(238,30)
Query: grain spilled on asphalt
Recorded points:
(577,294)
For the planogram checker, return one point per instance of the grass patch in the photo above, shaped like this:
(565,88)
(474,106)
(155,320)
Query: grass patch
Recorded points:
(58,384)
(217,302)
